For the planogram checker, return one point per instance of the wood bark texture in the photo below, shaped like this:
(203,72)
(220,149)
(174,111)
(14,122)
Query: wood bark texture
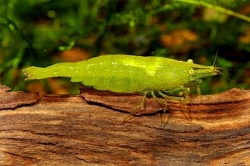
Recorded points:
(67,130)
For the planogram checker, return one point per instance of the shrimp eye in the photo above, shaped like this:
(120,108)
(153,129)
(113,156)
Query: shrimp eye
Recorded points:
(190,61)
(191,72)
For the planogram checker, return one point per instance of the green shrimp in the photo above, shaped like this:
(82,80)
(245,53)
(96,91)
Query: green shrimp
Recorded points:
(128,74)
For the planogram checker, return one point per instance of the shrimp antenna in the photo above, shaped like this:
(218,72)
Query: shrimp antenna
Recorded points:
(215,64)
(225,75)
(216,58)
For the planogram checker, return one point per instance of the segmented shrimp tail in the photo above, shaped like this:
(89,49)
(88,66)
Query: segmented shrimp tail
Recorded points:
(58,70)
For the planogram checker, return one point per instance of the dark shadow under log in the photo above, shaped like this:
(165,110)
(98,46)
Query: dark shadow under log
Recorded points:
(66,130)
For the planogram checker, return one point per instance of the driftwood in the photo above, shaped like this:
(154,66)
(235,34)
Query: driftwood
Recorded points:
(14,99)
(67,130)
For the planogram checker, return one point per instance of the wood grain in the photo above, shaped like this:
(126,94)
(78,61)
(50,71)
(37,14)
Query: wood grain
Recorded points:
(66,130)
(10,100)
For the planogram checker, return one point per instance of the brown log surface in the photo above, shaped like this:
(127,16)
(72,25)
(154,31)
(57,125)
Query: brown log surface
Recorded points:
(66,130)
(15,99)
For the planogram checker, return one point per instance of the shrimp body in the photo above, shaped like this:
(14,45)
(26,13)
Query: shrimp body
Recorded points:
(126,73)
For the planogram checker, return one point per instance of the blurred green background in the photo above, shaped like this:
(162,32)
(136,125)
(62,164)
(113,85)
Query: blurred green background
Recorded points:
(44,32)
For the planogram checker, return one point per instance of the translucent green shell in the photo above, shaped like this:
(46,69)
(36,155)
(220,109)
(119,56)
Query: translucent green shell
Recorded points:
(126,73)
